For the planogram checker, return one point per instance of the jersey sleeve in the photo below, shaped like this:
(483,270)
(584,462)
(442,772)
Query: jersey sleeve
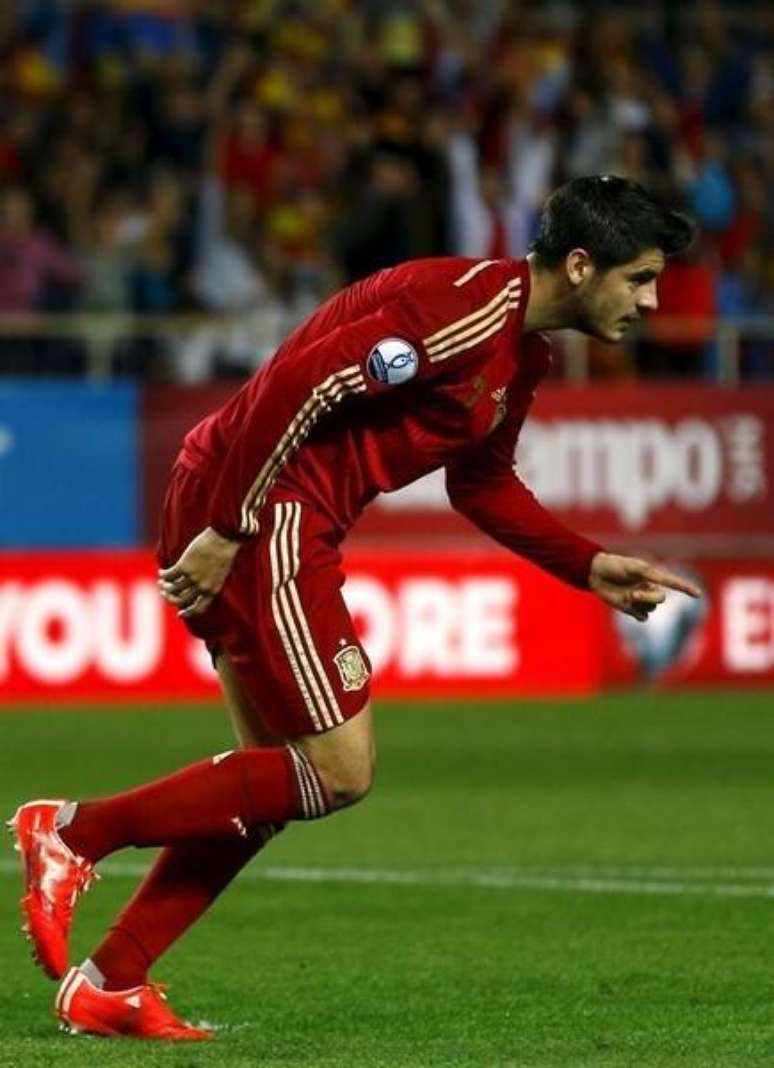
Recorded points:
(483,485)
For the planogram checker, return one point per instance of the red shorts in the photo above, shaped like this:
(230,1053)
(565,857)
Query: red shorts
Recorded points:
(280,617)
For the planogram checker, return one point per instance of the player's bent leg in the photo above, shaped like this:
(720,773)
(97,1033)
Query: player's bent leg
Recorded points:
(186,878)
(344,758)
(226,794)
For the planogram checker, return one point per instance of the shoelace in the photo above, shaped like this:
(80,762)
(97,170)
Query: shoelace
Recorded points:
(85,875)
(160,989)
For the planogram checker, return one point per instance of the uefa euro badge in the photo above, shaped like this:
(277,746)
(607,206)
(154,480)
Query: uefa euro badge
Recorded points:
(352,668)
(392,362)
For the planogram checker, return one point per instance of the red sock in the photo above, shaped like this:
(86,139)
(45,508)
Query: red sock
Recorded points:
(180,886)
(227,795)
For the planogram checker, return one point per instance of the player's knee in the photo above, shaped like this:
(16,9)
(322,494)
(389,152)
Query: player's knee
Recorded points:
(347,784)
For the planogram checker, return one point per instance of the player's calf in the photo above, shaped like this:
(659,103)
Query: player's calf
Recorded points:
(230,793)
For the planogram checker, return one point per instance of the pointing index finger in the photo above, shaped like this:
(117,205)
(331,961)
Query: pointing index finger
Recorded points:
(673,582)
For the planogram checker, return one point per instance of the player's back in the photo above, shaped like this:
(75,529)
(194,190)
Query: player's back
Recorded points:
(363,297)
(210,438)
(322,420)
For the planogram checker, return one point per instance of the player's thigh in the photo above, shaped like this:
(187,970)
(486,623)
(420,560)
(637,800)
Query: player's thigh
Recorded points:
(246,718)
(343,757)
(287,630)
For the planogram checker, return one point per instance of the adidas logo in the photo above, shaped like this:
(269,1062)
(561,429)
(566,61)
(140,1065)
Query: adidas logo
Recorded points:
(499,393)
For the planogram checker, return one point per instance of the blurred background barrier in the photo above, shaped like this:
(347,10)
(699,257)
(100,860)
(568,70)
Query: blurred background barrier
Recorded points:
(188,348)
(674,469)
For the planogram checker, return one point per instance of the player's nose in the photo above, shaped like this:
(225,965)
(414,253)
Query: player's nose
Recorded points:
(648,298)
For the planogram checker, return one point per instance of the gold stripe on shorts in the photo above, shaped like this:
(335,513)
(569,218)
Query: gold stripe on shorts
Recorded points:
(291,621)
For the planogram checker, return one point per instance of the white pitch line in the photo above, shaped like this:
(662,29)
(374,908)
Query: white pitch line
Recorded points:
(635,871)
(589,883)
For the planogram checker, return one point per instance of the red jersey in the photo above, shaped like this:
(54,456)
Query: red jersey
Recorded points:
(417,367)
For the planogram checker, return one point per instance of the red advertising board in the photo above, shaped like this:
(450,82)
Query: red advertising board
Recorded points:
(635,460)
(90,626)
(648,465)
(470,624)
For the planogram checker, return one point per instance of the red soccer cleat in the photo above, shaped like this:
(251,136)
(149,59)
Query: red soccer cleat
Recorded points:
(54,879)
(140,1012)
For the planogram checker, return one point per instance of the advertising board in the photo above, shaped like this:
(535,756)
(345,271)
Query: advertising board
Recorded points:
(90,626)
(68,464)
(657,466)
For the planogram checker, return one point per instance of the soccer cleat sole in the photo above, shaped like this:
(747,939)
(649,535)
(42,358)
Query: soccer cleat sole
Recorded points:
(12,827)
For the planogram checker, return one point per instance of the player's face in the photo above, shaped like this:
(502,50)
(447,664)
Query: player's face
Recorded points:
(614,299)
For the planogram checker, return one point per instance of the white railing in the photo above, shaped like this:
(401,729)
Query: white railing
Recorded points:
(188,342)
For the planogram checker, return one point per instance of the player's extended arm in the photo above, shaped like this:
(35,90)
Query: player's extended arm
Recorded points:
(484,487)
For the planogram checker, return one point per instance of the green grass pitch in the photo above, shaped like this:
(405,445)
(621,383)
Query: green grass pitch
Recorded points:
(540,884)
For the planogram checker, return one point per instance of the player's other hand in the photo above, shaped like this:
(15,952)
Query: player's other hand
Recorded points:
(634,586)
(198,576)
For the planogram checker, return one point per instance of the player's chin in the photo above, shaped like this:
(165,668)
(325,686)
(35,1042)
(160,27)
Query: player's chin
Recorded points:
(616,332)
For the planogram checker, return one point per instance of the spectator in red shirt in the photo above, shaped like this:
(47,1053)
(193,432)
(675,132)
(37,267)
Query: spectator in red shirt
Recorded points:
(249,158)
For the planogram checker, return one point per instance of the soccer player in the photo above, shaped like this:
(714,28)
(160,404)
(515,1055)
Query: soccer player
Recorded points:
(430,364)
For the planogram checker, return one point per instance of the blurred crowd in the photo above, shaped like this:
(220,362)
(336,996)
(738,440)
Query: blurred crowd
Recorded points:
(245,158)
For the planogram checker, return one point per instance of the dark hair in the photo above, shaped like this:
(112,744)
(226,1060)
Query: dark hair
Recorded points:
(614,219)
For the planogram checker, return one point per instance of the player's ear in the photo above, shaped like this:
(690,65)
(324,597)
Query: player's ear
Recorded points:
(579,266)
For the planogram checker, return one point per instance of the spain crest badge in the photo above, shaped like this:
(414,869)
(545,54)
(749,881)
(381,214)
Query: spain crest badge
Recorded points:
(352,668)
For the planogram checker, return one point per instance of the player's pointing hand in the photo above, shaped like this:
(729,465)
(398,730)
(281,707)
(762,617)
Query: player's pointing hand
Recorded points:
(198,576)
(634,586)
